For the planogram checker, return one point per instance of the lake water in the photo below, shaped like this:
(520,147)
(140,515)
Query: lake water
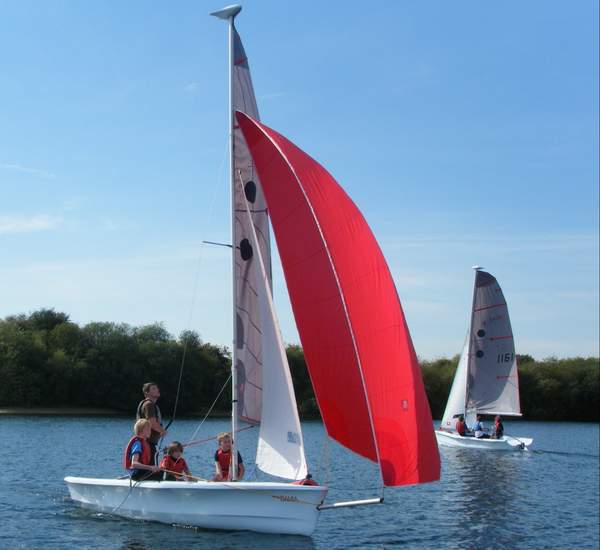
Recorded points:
(546,498)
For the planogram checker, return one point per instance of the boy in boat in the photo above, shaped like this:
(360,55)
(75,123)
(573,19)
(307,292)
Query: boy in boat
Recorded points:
(147,408)
(461,427)
(138,454)
(479,430)
(498,428)
(223,459)
(173,464)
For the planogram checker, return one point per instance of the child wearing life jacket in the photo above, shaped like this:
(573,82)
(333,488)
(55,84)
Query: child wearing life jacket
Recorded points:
(223,459)
(138,454)
(173,464)
(498,428)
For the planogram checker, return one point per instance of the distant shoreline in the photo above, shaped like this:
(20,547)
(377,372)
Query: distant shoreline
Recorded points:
(58,411)
(81,411)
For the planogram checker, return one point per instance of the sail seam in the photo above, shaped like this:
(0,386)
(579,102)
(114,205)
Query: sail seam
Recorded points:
(339,287)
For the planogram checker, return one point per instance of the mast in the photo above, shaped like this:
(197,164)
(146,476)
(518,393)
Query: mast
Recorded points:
(228,13)
(476,268)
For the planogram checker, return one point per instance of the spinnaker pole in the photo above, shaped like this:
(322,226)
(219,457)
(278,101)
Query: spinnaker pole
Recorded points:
(228,13)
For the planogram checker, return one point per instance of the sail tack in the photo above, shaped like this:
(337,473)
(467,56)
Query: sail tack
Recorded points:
(358,349)
(492,381)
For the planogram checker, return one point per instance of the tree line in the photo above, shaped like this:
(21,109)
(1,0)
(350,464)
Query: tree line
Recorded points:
(48,361)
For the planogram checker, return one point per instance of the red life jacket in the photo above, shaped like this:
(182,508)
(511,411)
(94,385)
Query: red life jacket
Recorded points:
(224,460)
(178,466)
(305,481)
(460,428)
(145,457)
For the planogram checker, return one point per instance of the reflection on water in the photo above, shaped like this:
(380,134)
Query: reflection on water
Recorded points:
(546,498)
(481,491)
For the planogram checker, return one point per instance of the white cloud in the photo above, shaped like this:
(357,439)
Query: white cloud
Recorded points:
(23,224)
(26,170)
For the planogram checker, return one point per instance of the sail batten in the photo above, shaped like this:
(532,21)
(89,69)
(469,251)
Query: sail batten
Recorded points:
(357,347)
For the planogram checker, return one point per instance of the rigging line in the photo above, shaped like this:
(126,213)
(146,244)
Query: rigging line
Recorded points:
(195,287)
(132,486)
(211,408)
(207,439)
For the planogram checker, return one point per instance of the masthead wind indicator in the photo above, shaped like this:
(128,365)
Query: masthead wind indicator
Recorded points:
(228,12)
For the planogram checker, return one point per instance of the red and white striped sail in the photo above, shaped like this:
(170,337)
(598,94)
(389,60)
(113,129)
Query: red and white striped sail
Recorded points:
(357,346)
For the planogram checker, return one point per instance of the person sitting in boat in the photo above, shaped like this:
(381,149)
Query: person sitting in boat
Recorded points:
(479,429)
(138,454)
(461,426)
(498,431)
(223,459)
(173,464)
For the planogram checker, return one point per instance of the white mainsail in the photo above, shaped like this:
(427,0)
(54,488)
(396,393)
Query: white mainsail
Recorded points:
(265,392)
(280,449)
(248,340)
(492,381)
(486,379)
(458,392)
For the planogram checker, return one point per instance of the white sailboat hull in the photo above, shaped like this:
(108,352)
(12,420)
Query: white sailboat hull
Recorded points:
(264,507)
(506,443)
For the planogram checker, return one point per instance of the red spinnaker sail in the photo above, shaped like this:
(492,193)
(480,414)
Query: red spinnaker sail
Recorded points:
(357,346)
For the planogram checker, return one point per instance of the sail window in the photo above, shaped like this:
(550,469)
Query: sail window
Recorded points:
(481,333)
(246,249)
(239,332)
(250,191)
(479,353)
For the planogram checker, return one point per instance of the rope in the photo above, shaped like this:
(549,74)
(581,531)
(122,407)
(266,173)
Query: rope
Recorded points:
(178,474)
(206,440)
(211,408)
(131,487)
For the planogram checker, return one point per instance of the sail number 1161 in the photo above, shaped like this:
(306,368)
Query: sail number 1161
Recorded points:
(505,357)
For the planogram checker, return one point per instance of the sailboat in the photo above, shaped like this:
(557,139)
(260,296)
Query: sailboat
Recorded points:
(356,342)
(486,380)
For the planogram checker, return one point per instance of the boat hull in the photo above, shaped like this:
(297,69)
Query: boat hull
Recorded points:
(504,444)
(263,507)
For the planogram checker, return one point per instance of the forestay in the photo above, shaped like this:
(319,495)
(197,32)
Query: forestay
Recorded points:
(357,346)
(492,381)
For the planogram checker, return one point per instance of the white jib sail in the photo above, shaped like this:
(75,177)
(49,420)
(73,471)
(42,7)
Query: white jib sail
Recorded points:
(492,381)
(458,392)
(249,350)
(280,449)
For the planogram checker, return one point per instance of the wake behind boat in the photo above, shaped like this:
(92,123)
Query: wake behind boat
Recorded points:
(354,337)
(486,380)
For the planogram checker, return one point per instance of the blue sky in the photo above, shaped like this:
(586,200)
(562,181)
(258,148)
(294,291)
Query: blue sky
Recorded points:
(467,133)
